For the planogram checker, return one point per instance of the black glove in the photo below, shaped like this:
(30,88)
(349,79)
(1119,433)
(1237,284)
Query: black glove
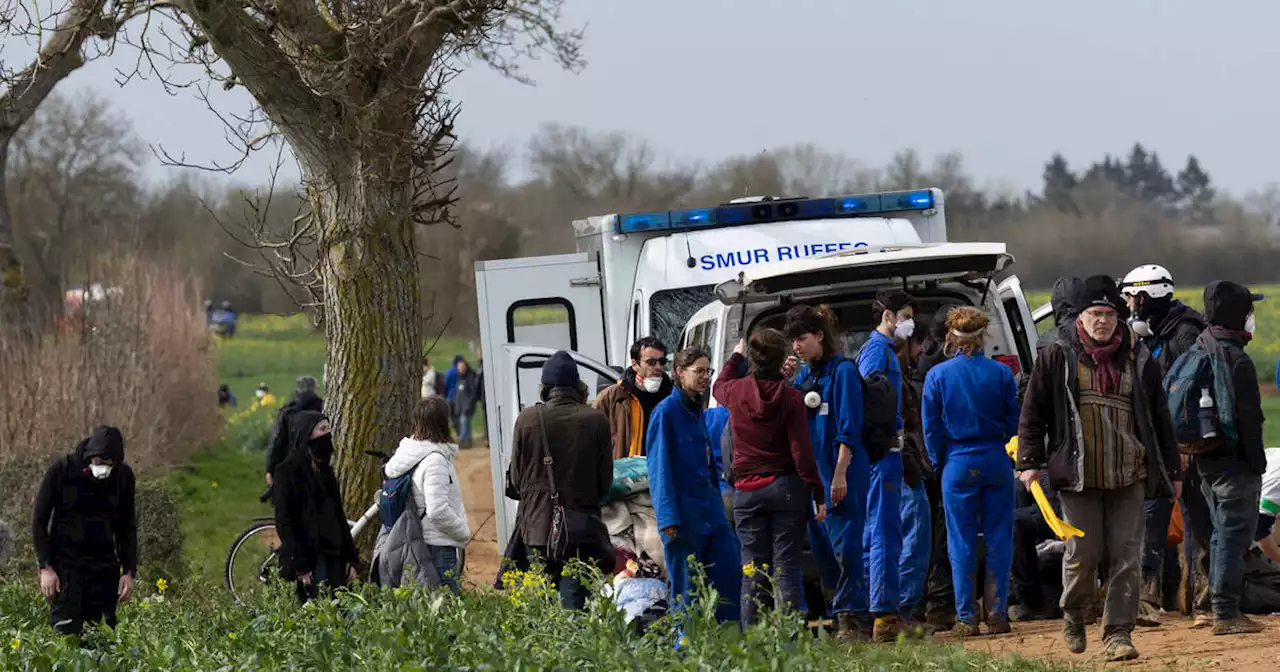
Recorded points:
(1265,523)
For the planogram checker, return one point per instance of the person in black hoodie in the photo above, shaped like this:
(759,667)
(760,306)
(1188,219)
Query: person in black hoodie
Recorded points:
(85,533)
(1065,300)
(1169,328)
(316,548)
(1231,475)
(304,398)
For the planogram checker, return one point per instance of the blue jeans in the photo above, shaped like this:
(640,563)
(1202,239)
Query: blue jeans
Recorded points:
(464,429)
(882,538)
(1233,493)
(771,529)
(978,493)
(448,563)
(917,536)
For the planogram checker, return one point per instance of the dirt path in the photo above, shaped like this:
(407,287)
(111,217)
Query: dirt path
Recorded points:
(477,495)
(1173,646)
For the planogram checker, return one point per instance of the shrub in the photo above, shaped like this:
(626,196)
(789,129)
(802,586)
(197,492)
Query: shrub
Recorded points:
(159,532)
(140,360)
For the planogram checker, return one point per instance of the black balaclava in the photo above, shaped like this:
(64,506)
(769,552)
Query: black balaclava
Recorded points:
(321,448)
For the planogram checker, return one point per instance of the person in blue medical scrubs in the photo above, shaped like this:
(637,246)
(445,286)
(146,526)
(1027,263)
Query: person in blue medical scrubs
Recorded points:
(833,396)
(685,486)
(882,538)
(970,411)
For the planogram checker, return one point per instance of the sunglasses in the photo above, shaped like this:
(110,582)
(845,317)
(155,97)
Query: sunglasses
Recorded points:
(654,362)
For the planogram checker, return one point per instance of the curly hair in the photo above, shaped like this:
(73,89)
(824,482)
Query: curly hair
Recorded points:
(966,331)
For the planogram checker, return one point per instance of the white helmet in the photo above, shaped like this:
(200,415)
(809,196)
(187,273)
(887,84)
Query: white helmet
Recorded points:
(1154,281)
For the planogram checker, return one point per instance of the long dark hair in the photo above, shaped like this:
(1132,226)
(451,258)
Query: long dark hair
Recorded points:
(805,319)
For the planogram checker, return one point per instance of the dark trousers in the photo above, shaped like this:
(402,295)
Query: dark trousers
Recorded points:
(330,573)
(1232,492)
(86,597)
(771,530)
(573,595)
(1029,529)
(1155,515)
(940,598)
(1198,525)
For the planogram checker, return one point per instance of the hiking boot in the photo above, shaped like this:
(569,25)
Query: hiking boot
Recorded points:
(847,630)
(1240,625)
(999,627)
(1202,620)
(963,630)
(1119,647)
(914,629)
(1022,614)
(1148,615)
(886,629)
(1073,634)
(941,622)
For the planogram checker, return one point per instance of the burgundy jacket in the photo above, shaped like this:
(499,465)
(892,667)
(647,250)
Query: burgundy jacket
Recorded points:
(769,426)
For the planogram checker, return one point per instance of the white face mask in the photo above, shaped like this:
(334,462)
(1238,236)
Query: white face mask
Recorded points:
(1140,327)
(652,384)
(100,471)
(260,394)
(904,329)
(1249,325)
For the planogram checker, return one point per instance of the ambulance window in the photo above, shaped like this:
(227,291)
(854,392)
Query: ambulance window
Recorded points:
(545,322)
(529,379)
(635,321)
(1021,338)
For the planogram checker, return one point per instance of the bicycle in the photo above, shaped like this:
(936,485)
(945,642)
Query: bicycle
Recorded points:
(262,532)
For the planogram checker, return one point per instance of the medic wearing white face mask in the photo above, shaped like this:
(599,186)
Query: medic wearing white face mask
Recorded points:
(1166,325)
(630,402)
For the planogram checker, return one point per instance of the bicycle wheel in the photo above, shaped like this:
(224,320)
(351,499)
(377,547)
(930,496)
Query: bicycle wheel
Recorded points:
(251,562)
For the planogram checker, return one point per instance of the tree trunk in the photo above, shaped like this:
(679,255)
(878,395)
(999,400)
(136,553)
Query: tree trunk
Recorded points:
(13,286)
(371,321)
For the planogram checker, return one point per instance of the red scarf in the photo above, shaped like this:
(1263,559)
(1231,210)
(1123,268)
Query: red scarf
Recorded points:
(1103,358)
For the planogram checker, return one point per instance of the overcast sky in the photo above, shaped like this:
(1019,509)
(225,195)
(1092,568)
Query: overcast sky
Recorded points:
(1005,82)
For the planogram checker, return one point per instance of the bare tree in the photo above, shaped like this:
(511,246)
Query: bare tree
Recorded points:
(61,36)
(357,89)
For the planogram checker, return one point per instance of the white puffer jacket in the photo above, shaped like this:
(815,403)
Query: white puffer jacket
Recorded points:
(436,490)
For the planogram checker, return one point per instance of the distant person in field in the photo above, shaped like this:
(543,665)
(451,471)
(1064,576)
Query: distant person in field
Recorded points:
(432,381)
(630,402)
(316,548)
(85,533)
(1095,416)
(466,394)
(305,398)
(225,397)
(1169,328)
(451,378)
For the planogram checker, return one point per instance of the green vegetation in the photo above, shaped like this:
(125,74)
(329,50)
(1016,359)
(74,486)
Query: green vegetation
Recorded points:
(193,627)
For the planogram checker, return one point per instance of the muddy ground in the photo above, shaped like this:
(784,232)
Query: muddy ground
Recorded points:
(1173,646)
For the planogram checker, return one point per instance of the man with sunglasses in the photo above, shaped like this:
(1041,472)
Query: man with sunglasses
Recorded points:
(629,403)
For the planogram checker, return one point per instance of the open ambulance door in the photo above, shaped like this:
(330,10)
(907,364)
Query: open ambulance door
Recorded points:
(522,366)
(544,303)
(1022,324)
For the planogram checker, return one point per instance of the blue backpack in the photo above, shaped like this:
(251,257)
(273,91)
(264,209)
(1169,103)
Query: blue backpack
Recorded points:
(394,496)
(1203,365)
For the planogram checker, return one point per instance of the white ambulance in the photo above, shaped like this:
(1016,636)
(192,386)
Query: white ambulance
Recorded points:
(708,276)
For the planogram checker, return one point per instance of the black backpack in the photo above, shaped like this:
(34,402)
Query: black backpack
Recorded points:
(879,413)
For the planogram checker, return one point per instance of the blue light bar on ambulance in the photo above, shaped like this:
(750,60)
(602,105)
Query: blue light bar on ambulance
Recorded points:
(761,212)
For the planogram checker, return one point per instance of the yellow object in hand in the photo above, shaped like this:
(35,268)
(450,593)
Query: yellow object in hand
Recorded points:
(1060,527)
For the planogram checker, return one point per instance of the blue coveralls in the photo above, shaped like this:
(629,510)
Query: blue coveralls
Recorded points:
(685,486)
(970,411)
(883,535)
(839,421)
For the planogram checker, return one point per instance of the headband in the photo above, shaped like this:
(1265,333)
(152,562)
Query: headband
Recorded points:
(967,334)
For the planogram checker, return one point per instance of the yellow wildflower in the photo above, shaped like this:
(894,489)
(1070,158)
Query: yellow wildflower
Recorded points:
(749,569)
(215,485)
(162,585)
(15,643)
(400,591)
(231,635)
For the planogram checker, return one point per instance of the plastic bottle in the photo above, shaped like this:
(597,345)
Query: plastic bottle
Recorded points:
(1208,415)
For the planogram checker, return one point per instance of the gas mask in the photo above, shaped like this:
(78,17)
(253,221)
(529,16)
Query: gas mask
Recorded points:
(904,329)
(809,388)
(100,471)
(1140,327)
(652,384)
